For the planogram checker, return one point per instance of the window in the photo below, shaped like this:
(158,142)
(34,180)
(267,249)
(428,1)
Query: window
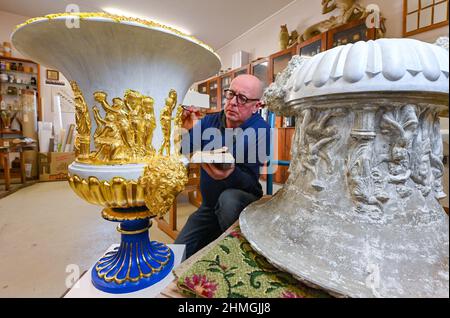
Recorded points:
(424,15)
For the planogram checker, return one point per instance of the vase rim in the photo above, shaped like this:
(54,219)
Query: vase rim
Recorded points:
(107,17)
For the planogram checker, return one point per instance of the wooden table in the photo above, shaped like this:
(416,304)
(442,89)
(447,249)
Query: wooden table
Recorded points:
(4,161)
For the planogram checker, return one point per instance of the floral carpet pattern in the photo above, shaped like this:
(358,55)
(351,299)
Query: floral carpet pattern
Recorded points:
(232,269)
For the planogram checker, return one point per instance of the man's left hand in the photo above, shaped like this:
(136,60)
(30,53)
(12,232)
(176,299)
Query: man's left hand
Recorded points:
(217,174)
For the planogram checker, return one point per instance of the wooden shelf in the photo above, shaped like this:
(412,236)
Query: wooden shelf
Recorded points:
(10,132)
(19,84)
(16,59)
(16,72)
(36,87)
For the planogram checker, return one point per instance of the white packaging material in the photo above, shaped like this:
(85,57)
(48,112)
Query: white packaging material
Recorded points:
(44,135)
(196,99)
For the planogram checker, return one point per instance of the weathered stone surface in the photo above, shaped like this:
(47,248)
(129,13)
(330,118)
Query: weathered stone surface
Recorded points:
(359,215)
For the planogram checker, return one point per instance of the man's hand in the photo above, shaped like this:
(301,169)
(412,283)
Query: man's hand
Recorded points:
(190,114)
(217,174)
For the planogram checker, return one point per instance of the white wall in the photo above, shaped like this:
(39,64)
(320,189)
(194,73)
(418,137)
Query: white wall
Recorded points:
(262,40)
(8,21)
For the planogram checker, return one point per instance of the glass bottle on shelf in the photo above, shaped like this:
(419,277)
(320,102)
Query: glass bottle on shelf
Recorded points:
(225,84)
(213,94)
(279,64)
(260,70)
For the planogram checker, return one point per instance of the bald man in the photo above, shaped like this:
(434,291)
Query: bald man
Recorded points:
(226,192)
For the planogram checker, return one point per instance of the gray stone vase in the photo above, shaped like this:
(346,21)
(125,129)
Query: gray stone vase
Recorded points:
(359,215)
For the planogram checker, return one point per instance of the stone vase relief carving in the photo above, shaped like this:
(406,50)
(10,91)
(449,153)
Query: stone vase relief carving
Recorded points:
(359,215)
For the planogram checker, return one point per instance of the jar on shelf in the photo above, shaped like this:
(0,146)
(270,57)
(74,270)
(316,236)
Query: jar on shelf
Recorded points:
(7,49)
(3,78)
(20,67)
(33,81)
(13,66)
(12,90)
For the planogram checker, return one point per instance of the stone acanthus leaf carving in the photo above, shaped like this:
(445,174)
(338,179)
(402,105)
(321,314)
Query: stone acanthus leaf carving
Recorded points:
(436,158)
(401,125)
(365,180)
(316,136)
(421,160)
(414,153)
(428,154)
(275,94)
(442,42)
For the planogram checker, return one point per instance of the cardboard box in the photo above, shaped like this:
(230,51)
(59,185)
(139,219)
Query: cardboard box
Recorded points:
(53,166)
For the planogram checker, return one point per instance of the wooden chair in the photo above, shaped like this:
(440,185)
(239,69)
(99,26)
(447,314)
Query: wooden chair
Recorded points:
(4,162)
(195,198)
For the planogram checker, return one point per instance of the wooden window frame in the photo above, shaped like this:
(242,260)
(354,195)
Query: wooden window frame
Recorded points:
(427,28)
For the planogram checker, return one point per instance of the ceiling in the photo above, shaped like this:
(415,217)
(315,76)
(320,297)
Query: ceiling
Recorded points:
(215,22)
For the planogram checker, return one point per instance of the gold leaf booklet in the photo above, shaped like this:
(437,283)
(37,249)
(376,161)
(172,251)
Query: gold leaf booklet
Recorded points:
(222,158)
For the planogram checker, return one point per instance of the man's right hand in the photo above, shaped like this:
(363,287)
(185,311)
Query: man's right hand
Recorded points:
(190,114)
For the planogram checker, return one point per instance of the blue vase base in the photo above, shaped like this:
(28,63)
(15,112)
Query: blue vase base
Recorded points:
(132,266)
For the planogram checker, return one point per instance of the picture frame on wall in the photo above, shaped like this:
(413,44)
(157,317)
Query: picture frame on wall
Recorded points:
(424,15)
(52,75)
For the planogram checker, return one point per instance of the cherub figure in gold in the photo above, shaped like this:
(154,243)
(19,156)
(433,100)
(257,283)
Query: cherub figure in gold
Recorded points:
(166,121)
(148,123)
(133,102)
(118,108)
(178,124)
(109,143)
(83,122)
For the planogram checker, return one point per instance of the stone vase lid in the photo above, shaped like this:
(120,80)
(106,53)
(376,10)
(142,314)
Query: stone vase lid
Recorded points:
(380,65)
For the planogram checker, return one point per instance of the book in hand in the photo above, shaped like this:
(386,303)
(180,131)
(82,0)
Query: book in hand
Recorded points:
(221,158)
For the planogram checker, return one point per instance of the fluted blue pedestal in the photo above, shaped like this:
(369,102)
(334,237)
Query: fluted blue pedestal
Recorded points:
(136,264)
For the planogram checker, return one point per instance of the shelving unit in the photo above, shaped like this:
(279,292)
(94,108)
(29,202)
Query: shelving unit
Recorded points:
(313,46)
(19,100)
(350,33)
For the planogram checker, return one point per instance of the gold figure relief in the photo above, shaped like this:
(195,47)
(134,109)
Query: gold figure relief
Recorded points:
(124,134)
(148,124)
(166,121)
(178,125)
(133,104)
(83,122)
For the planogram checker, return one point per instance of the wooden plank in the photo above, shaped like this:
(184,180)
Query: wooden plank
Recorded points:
(167,228)
(16,59)
(22,168)
(172,291)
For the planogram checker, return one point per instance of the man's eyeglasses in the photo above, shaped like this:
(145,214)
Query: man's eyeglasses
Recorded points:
(241,99)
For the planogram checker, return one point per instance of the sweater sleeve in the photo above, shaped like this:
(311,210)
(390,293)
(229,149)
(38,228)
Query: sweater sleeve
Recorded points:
(244,179)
